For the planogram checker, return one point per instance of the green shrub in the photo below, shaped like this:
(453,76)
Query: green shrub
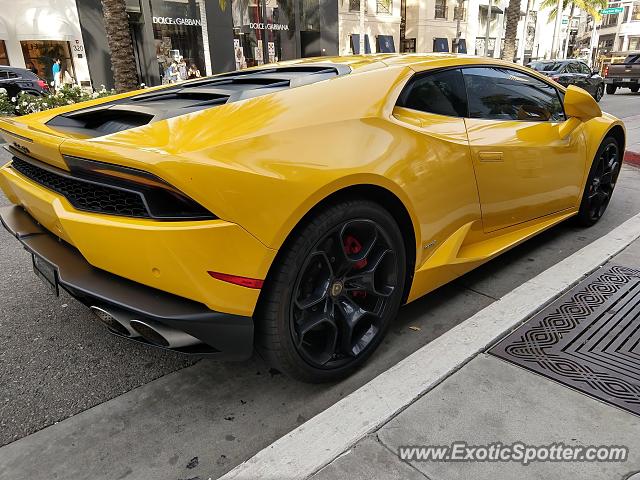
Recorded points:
(26,103)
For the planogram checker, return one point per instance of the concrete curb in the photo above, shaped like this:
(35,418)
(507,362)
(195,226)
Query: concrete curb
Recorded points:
(314,444)
(632,158)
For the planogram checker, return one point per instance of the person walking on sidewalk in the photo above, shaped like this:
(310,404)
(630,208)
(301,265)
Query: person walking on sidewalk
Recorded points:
(57,75)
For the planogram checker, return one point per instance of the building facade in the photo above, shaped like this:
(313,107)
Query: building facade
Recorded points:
(33,33)
(618,32)
(214,35)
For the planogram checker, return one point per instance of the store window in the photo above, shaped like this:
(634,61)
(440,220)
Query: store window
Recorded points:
(4,58)
(178,36)
(41,54)
(635,14)
(264,31)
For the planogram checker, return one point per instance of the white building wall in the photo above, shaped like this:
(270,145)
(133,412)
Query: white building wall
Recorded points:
(375,24)
(43,20)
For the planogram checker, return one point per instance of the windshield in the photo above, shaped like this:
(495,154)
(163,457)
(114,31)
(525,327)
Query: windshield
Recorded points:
(546,66)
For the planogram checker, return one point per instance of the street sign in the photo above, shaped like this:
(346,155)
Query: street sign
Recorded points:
(610,11)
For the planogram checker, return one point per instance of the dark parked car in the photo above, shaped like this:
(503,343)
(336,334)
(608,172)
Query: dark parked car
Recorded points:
(572,72)
(15,80)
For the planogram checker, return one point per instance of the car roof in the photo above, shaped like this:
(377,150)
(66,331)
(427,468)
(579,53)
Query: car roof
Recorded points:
(9,68)
(417,61)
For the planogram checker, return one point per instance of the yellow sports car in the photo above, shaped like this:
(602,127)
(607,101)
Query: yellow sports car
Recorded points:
(293,208)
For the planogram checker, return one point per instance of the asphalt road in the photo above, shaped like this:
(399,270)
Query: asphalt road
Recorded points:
(56,360)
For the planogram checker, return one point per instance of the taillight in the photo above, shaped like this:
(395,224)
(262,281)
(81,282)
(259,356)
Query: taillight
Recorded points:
(43,84)
(236,280)
(606,70)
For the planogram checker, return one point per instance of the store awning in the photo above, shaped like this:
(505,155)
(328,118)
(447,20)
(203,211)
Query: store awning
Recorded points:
(3,30)
(494,10)
(39,23)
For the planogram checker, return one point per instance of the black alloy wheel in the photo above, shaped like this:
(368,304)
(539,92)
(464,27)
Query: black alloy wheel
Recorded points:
(601,182)
(599,92)
(334,293)
(342,293)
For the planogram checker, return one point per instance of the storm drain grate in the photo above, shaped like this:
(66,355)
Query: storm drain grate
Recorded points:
(588,339)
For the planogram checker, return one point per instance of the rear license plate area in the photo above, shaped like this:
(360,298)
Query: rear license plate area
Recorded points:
(46,272)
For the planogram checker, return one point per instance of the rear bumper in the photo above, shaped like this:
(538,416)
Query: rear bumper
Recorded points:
(619,82)
(172,257)
(228,336)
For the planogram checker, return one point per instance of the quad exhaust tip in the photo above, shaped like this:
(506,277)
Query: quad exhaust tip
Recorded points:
(158,334)
(110,321)
(121,322)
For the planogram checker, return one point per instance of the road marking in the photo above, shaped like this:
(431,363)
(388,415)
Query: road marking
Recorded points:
(314,444)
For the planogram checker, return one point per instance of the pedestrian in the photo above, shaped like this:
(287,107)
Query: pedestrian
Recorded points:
(182,69)
(171,74)
(193,72)
(57,75)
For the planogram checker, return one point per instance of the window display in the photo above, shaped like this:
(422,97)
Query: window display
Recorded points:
(178,36)
(42,54)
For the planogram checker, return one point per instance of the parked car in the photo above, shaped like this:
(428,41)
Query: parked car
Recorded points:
(15,80)
(293,208)
(572,72)
(623,75)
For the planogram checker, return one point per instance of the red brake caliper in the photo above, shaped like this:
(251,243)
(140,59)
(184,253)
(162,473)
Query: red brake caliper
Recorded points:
(352,246)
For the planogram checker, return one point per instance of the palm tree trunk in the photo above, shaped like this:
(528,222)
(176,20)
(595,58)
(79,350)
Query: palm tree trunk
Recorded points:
(511,30)
(123,62)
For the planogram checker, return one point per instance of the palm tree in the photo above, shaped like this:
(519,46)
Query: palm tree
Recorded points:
(592,7)
(511,30)
(123,62)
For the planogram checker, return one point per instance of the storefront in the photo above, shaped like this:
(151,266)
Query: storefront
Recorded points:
(213,35)
(266,31)
(37,33)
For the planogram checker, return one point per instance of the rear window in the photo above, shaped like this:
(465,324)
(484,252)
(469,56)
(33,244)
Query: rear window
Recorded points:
(632,59)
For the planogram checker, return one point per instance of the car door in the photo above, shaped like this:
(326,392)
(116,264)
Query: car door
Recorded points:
(438,173)
(523,168)
(574,76)
(591,81)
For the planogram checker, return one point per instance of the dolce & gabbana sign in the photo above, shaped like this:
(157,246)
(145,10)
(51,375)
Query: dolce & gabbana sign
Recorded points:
(177,21)
(268,26)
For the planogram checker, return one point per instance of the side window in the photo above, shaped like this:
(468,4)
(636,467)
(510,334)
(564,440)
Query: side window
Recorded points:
(584,69)
(505,94)
(3,75)
(441,92)
(12,75)
(573,68)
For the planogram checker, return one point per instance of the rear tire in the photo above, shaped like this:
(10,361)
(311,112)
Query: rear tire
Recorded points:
(611,89)
(337,285)
(601,182)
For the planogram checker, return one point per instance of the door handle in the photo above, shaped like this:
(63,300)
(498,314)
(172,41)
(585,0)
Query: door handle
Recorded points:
(491,156)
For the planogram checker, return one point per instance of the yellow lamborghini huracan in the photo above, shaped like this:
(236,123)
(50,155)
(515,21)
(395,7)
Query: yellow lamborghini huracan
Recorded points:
(295,207)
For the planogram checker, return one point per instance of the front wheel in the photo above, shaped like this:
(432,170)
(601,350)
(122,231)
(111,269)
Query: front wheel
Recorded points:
(635,89)
(611,89)
(600,182)
(336,287)
(599,93)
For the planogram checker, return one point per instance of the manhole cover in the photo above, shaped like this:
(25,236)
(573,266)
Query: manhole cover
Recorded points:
(588,339)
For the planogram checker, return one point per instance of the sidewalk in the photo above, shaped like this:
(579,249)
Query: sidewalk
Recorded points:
(491,400)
